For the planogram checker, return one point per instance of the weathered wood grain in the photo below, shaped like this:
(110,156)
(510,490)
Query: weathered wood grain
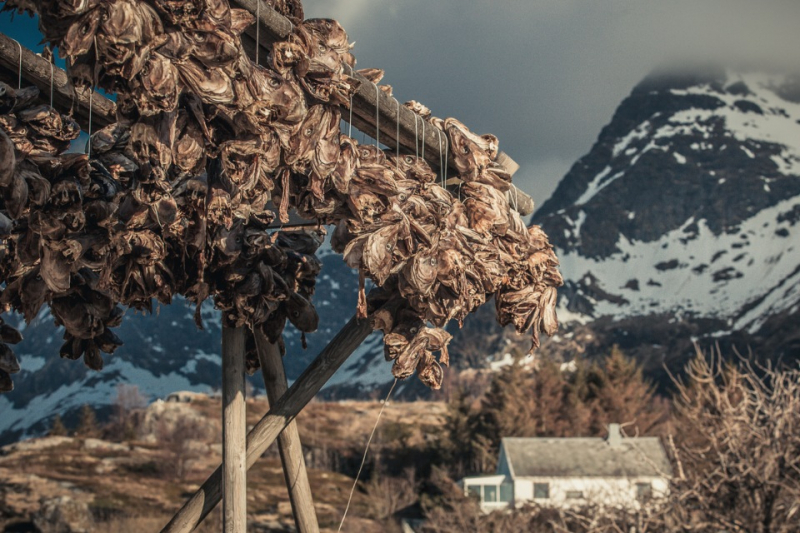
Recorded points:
(234,431)
(289,445)
(281,413)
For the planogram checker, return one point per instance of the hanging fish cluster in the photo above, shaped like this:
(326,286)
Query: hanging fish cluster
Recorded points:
(54,231)
(443,255)
(206,138)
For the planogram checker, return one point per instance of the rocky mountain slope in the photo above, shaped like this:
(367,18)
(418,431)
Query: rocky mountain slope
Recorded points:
(679,224)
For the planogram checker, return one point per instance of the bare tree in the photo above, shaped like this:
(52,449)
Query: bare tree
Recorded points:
(128,400)
(387,494)
(183,441)
(738,457)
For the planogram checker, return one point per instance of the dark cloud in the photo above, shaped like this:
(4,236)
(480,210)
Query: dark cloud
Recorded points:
(546,75)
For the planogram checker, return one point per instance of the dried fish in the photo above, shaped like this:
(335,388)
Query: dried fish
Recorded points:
(175,198)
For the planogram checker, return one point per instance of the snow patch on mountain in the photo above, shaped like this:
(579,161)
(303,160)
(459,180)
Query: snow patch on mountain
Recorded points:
(694,272)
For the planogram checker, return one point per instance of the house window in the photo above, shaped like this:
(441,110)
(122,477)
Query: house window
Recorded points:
(574,494)
(644,491)
(489,493)
(541,490)
(474,490)
(506,492)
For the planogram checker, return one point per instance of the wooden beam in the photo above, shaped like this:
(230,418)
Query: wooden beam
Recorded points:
(37,71)
(234,431)
(291,450)
(275,27)
(280,414)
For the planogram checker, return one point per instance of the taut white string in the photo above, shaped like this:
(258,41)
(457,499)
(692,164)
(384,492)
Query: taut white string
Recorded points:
(364,459)
(377,117)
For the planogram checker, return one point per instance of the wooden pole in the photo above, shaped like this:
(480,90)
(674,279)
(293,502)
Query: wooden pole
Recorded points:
(234,431)
(280,414)
(291,450)
(276,27)
(36,71)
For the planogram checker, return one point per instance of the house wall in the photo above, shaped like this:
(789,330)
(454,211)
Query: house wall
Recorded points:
(604,491)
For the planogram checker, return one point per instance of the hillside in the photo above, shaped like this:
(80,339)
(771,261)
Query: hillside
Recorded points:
(132,484)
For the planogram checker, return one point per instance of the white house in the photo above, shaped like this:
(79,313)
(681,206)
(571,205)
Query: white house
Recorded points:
(616,471)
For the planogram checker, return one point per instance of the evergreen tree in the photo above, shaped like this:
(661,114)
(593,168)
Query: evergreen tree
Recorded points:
(57,428)
(463,447)
(618,392)
(87,426)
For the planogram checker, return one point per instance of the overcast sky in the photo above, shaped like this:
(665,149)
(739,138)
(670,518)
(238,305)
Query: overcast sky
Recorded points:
(546,75)
(543,75)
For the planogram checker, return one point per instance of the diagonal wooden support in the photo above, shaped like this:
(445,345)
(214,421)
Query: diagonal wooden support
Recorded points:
(234,431)
(281,413)
(275,27)
(291,450)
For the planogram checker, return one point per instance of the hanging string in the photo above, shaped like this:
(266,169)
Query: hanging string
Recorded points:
(397,133)
(416,137)
(515,196)
(441,165)
(20,66)
(377,117)
(350,128)
(258,28)
(89,146)
(423,139)
(446,153)
(364,459)
(91,105)
(51,83)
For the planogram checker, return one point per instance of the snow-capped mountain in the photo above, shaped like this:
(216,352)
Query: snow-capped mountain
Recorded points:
(679,224)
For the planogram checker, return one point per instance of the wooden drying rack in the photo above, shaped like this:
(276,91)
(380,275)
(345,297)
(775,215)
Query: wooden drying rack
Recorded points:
(240,453)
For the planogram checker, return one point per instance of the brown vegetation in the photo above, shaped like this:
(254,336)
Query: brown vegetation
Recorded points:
(547,401)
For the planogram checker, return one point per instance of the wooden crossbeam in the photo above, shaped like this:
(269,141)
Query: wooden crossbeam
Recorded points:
(369,100)
(280,414)
(38,71)
(289,445)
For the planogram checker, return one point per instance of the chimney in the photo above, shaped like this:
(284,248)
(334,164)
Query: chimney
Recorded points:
(614,435)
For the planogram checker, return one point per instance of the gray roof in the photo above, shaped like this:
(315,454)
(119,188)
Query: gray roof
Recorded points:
(586,457)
